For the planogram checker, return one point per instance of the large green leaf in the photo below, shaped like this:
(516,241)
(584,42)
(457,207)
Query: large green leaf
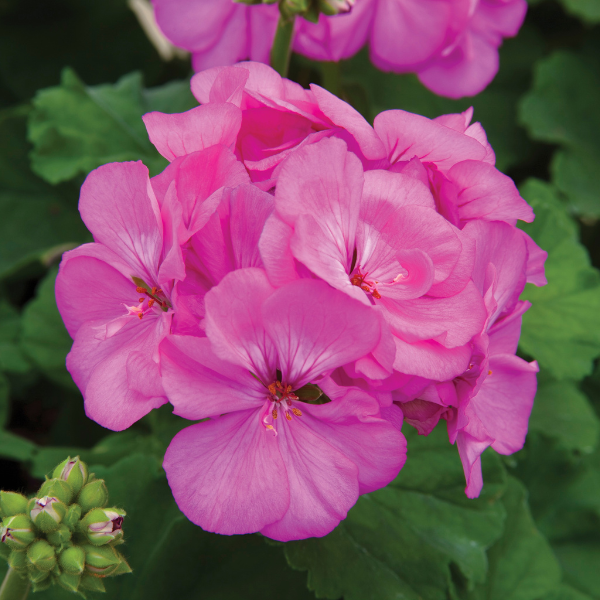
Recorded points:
(36,217)
(563,411)
(580,561)
(562,108)
(75,128)
(562,328)
(400,541)
(172,558)
(522,564)
(45,339)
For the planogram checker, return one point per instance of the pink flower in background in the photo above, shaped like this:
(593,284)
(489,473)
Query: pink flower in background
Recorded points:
(451,44)
(378,238)
(114,295)
(266,461)
(218,32)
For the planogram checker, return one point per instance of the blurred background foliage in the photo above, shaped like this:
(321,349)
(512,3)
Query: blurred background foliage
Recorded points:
(75,78)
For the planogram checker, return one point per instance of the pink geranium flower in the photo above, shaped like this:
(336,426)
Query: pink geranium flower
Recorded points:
(266,461)
(451,44)
(114,295)
(490,403)
(264,117)
(455,160)
(378,238)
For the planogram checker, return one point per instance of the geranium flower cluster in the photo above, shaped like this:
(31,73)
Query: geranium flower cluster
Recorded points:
(451,44)
(301,283)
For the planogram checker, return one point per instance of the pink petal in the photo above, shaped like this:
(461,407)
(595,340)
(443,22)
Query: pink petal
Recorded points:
(536,257)
(87,289)
(354,426)
(406,135)
(431,360)
(505,399)
(118,206)
(485,193)
(323,483)
(235,324)
(180,134)
(397,189)
(98,365)
(470,450)
(325,181)
(275,251)
(316,329)
(200,385)
(227,475)
(343,115)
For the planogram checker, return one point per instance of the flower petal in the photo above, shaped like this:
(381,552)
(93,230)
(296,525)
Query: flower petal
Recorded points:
(227,474)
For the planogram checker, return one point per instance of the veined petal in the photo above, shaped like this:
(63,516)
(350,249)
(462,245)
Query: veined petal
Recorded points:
(235,322)
(316,329)
(200,385)
(227,475)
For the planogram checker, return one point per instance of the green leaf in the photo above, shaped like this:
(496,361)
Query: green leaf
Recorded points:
(75,128)
(561,410)
(172,558)
(16,447)
(522,564)
(45,339)
(4,401)
(566,592)
(562,328)
(561,108)
(35,216)
(586,10)
(579,561)
(400,541)
(11,355)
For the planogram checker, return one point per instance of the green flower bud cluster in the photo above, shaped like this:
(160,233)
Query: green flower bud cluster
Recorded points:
(64,535)
(308,9)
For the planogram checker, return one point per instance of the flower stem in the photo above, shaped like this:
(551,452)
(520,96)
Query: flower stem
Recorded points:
(282,45)
(14,587)
(332,77)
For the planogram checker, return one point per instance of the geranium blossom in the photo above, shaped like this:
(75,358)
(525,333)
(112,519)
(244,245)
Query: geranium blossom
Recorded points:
(266,461)
(451,44)
(378,238)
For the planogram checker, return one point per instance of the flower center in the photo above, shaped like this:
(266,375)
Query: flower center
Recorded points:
(149,297)
(368,286)
(281,402)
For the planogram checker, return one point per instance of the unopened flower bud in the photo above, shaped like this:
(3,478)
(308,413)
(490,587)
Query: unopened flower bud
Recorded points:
(59,537)
(69,581)
(103,525)
(335,7)
(47,513)
(91,584)
(17,560)
(41,555)
(93,495)
(12,504)
(17,532)
(74,472)
(72,560)
(101,560)
(72,517)
(39,578)
(57,488)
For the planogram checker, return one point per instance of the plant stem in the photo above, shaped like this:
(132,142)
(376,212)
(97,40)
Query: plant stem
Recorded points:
(282,45)
(14,587)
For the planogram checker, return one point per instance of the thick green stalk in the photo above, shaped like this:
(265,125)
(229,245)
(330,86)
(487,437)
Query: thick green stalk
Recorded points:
(282,45)
(332,77)
(14,587)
